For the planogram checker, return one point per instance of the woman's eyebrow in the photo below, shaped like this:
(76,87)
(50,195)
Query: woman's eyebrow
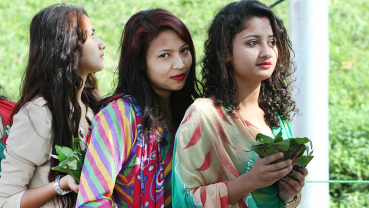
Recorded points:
(256,36)
(171,49)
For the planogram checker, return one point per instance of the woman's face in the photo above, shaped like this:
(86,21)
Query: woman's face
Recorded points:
(92,53)
(255,52)
(168,63)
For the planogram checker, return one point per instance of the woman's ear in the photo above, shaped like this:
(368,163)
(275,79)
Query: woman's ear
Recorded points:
(227,56)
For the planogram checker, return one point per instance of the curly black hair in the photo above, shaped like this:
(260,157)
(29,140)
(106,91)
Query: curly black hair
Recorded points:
(275,96)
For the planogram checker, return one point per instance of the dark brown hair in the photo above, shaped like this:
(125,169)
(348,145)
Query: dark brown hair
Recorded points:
(57,34)
(275,93)
(140,30)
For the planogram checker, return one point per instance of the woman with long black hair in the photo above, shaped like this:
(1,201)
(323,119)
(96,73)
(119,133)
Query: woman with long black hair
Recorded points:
(129,158)
(59,90)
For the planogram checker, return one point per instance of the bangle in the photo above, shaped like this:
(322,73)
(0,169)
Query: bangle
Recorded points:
(291,202)
(57,187)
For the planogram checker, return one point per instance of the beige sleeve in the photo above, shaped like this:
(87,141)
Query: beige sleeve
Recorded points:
(28,146)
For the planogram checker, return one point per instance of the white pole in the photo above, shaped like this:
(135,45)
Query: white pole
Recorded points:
(309,36)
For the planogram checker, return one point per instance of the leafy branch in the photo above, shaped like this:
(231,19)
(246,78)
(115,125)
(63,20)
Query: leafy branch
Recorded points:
(292,148)
(71,160)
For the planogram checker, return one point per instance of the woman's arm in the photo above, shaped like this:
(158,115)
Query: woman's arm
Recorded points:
(109,148)
(36,197)
(28,147)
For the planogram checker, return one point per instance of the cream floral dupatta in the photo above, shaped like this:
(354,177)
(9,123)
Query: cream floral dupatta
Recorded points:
(209,151)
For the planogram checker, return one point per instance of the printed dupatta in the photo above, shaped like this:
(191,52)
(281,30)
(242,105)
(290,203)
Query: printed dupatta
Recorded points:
(149,189)
(209,151)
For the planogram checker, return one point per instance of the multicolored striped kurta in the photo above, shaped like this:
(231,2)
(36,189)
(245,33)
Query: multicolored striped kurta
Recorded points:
(122,166)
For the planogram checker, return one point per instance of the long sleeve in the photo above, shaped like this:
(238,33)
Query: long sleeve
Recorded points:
(28,147)
(198,175)
(110,146)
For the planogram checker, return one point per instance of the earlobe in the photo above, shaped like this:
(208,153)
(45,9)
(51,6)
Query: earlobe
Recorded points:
(227,56)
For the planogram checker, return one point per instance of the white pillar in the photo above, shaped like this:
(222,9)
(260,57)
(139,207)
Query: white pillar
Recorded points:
(309,36)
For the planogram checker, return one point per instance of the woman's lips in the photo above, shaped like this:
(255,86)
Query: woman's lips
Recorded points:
(265,65)
(102,56)
(179,77)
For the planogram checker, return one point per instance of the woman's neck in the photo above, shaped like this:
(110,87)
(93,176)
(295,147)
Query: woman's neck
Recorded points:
(248,95)
(79,93)
(164,103)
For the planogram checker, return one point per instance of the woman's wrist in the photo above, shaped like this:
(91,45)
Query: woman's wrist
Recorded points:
(250,181)
(293,204)
(63,183)
(62,186)
(290,201)
(239,187)
(287,200)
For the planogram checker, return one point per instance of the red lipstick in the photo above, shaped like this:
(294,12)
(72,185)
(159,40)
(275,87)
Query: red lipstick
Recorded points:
(265,64)
(179,77)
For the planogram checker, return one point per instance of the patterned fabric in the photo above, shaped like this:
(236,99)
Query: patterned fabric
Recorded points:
(209,151)
(6,108)
(122,165)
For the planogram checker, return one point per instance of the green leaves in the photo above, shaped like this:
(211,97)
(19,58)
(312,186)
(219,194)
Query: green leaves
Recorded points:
(264,139)
(303,160)
(63,152)
(292,148)
(71,160)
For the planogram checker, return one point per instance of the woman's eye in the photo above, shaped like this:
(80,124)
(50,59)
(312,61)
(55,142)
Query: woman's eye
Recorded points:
(253,42)
(92,34)
(185,50)
(164,55)
(272,43)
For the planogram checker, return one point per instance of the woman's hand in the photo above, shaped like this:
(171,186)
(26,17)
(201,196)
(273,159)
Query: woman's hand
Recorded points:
(69,182)
(289,188)
(264,174)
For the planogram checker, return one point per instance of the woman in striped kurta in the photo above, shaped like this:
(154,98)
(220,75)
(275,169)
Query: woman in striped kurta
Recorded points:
(129,158)
(119,155)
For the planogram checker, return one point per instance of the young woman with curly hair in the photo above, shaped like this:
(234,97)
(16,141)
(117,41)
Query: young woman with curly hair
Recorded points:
(59,91)
(129,158)
(247,81)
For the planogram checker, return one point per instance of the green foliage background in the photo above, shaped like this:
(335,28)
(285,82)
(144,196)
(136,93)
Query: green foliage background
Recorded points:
(349,80)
